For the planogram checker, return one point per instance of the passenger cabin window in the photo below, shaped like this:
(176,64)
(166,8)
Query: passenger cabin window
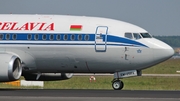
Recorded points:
(44,36)
(58,37)
(136,36)
(29,36)
(86,37)
(79,37)
(65,37)
(146,35)
(36,37)
(7,36)
(128,35)
(14,36)
(1,36)
(72,37)
(51,37)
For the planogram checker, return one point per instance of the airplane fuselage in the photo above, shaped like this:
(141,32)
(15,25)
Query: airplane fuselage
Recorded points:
(77,44)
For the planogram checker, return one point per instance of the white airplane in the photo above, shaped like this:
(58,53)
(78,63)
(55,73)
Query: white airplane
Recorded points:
(53,47)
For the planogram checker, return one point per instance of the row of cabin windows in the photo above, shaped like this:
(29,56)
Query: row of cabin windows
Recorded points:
(51,37)
(14,36)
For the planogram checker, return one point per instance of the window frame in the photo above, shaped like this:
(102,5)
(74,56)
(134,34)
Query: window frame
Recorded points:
(137,34)
(65,38)
(74,37)
(8,38)
(44,36)
(132,37)
(51,38)
(58,38)
(80,39)
(36,37)
(142,34)
(14,36)
(86,36)
(1,36)
(29,36)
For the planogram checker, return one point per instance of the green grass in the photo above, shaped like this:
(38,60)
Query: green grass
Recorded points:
(104,82)
(167,67)
(152,83)
(81,82)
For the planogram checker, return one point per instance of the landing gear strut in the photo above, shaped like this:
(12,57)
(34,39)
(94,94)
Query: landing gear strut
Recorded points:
(117,84)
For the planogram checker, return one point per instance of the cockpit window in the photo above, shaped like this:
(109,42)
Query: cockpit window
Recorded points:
(136,36)
(146,35)
(128,35)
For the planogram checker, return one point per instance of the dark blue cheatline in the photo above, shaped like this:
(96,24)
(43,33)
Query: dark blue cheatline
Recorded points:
(67,37)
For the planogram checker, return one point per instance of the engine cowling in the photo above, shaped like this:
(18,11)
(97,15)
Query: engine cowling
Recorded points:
(47,76)
(10,67)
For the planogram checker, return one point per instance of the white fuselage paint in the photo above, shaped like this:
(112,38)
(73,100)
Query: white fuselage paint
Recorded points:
(53,56)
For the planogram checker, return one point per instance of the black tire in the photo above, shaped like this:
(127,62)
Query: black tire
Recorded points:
(117,85)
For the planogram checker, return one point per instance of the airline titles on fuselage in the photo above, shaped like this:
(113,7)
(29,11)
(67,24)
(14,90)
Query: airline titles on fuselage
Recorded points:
(28,26)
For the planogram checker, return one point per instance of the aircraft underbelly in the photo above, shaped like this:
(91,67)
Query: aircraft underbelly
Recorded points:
(79,59)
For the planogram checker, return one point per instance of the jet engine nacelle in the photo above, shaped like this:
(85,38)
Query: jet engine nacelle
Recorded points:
(47,76)
(11,67)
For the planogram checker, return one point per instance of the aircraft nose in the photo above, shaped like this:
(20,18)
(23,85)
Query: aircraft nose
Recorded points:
(162,51)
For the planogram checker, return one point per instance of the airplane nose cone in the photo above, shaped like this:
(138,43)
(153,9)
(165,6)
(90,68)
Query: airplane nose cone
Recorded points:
(162,51)
(168,52)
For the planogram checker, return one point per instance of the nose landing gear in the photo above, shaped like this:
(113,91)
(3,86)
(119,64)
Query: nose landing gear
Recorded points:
(117,84)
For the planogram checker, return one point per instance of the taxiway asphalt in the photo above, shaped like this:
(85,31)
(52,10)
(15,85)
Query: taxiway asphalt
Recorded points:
(86,95)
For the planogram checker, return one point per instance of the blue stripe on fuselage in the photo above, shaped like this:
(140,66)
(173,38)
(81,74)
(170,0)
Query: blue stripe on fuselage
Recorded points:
(110,38)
